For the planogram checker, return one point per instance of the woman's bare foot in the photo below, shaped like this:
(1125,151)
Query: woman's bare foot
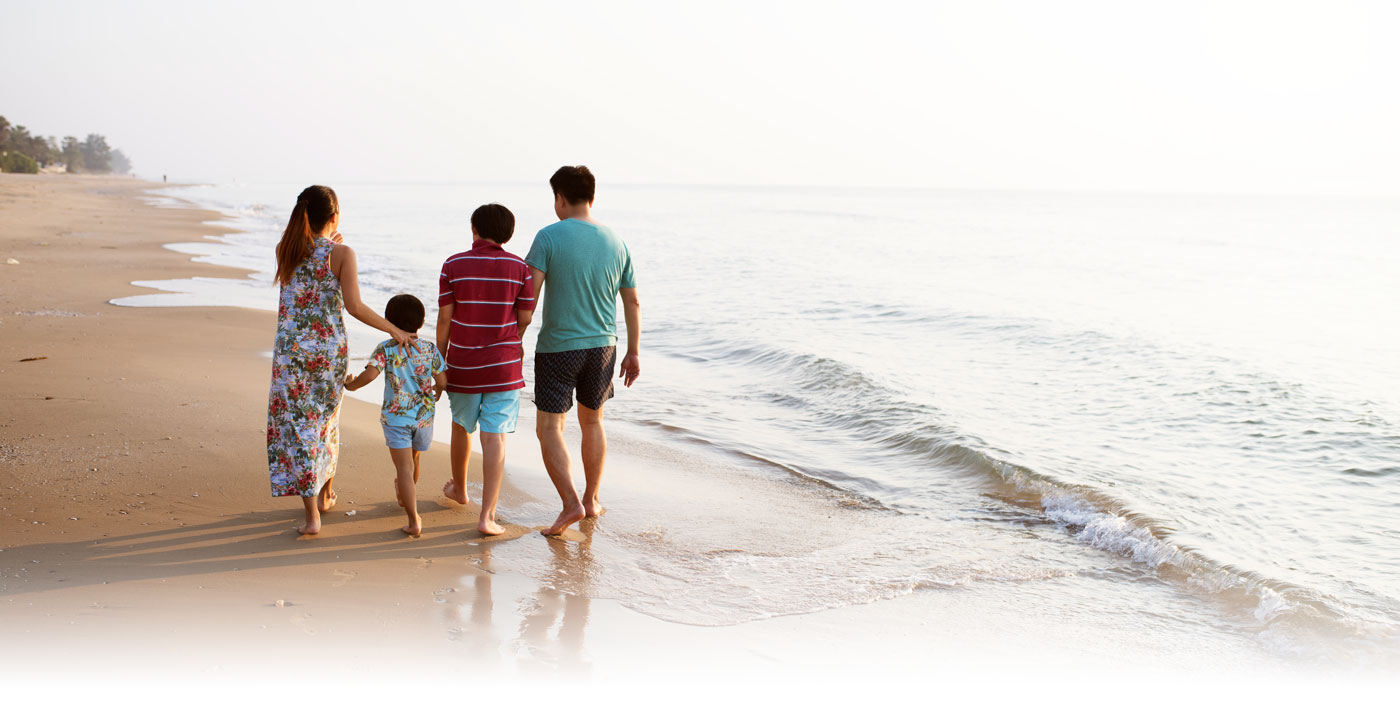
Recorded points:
(454,492)
(593,509)
(567,517)
(489,527)
(310,529)
(414,527)
(325,500)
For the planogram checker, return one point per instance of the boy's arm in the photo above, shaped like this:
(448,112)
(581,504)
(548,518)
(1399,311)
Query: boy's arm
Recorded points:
(439,384)
(444,325)
(632,310)
(522,320)
(353,382)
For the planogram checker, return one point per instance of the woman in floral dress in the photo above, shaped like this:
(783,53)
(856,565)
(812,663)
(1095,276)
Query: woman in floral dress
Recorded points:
(319,279)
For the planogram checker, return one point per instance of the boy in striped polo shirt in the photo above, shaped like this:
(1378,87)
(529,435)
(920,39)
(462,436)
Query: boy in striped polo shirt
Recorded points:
(485,302)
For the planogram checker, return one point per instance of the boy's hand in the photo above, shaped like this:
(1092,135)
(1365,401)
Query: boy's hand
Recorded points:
(349,379)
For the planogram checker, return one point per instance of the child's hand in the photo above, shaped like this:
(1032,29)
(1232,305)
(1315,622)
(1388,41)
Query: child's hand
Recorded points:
(349,379)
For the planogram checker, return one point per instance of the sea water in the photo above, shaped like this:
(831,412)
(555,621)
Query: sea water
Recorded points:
(1192,396)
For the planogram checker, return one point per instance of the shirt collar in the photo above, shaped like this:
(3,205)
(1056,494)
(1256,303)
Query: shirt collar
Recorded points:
(479,243)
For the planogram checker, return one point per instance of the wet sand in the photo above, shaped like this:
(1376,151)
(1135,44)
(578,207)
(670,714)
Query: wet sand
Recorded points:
(135,517)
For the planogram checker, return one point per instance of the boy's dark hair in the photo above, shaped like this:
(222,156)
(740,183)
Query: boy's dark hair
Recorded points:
(576,184)
(405,312)
(494,222)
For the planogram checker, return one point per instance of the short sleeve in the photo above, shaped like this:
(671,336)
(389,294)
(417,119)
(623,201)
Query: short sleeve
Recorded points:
(379,360)
(439,364)
(445,288)
(538,257)
(629,277)
(525,297)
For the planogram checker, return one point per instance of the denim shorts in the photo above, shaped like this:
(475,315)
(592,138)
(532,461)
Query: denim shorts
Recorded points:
(495,411)
(399,437)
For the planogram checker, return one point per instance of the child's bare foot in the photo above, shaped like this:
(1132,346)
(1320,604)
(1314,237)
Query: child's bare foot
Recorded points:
(593,509)
(454,492)
(489,527)
(326,499)
(414,527)
(567,517)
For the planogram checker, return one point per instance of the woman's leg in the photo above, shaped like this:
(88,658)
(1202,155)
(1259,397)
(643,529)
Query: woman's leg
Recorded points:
(313,517)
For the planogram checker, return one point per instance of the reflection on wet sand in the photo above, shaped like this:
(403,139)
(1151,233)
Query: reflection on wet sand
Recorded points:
(541,632)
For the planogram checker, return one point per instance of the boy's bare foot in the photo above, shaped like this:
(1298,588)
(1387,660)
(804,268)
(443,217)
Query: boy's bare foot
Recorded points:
(325,500)
(454,492)
(414,527)
(489,527)
(567,517)
(593,509)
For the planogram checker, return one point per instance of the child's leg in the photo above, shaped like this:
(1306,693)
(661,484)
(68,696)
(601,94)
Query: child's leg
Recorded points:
(493,467)
(403,486)
(456,489)
(416,453)
(313,517)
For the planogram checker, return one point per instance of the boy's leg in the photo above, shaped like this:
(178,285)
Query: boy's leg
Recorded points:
(493,467)
(595,453)
(403,486)
(549,427)
(463,413)
(416,453)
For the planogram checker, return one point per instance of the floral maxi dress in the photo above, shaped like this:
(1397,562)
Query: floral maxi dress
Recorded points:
(308,378)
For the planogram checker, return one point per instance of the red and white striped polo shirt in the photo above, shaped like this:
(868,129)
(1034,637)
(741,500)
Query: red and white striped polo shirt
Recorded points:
(486,286)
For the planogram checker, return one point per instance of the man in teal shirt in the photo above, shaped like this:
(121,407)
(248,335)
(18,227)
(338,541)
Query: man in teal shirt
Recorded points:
(580,267)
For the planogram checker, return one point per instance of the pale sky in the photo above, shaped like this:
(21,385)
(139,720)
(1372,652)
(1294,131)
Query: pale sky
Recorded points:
(1176,96)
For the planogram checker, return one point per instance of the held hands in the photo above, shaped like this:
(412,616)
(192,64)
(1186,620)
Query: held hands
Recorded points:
(631,369)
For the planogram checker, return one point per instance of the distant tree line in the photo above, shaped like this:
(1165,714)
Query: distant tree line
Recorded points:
(21,151)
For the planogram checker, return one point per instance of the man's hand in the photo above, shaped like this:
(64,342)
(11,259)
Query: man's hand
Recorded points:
(631,369)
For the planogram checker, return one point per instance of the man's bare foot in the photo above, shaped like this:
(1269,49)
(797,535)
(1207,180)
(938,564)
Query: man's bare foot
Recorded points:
(325,500)
(567,517)
(454,492)
(310,529)
(414,527)
(593,509)
(489,527)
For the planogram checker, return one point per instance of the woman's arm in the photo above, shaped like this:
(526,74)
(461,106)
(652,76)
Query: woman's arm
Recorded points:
(345,268)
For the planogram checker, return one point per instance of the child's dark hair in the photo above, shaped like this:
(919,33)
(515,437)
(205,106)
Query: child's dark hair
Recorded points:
(574,183)
(405,312)
(494,222)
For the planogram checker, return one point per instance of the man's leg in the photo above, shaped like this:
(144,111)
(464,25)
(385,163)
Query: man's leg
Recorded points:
(549,427)
(595,452)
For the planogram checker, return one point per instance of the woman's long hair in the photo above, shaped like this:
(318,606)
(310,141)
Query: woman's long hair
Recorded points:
(316,205)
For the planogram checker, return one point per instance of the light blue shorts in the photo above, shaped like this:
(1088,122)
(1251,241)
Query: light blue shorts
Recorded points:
(398,437)
(496,411)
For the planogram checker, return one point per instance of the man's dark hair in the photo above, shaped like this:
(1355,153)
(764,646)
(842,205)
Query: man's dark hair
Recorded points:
(576,184)
(405,312)
(494,222)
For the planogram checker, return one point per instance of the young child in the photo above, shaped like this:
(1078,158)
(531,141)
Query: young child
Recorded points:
(414,378)
(485,302)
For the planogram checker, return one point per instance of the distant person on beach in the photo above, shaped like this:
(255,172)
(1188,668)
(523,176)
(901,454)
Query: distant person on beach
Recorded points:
(414,379)
(580,267)
(485,302)
(319,279)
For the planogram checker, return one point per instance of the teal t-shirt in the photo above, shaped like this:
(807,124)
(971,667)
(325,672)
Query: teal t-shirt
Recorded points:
(585,264)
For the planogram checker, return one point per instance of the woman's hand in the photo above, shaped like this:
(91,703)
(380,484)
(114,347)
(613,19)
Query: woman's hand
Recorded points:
(337,238)
(403,338)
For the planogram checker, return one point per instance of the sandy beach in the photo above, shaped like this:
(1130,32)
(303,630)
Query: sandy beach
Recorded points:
(137,531)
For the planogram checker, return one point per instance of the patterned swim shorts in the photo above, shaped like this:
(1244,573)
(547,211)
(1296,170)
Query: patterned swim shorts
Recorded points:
(559,373)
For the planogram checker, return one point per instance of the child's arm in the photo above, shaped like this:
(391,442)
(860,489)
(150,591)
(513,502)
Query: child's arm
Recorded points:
(353,382)
(439,384)
(522,321)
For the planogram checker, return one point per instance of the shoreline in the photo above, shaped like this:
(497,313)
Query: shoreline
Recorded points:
(146,425)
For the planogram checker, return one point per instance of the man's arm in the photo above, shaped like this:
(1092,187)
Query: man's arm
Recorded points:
(632,311)
(444,325)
